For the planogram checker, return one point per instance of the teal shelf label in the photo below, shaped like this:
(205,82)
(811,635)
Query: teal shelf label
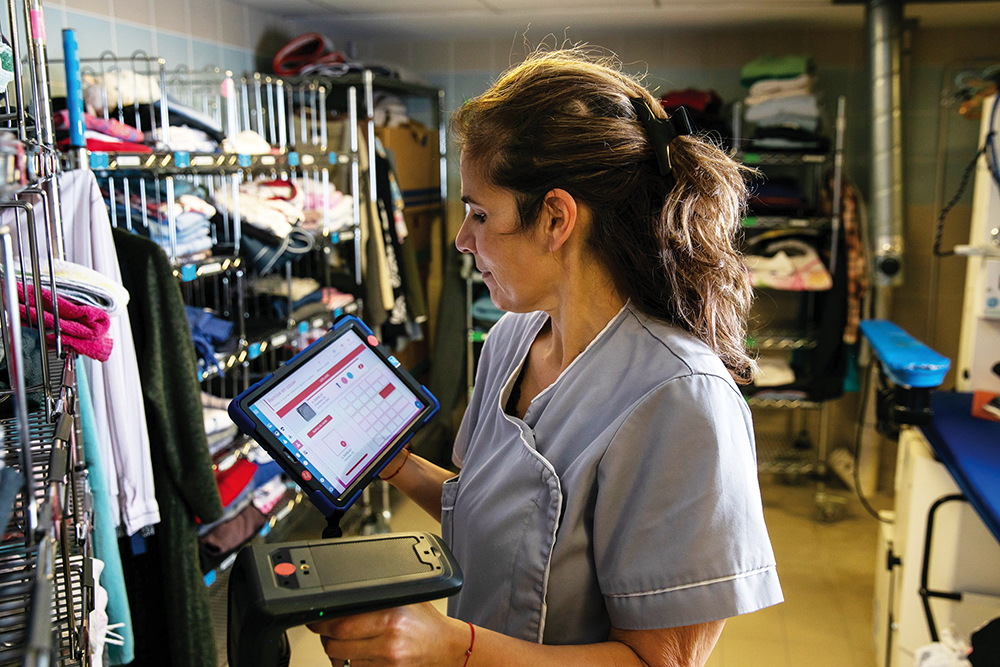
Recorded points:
(266,529)
(335,237)
(293,159)
(337,312)
(182,159)
(189,272)
(245,160)
(254,351)
(334,159)
(303,327)
(98,160)
(210,578)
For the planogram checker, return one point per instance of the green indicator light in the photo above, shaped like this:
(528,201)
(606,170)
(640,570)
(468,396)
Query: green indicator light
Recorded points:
(321,614)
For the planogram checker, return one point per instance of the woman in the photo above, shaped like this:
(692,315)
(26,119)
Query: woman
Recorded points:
(607,510)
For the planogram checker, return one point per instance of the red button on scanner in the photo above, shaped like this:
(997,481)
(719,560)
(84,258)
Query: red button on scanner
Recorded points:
(373,341)
(284,569)
(306,475)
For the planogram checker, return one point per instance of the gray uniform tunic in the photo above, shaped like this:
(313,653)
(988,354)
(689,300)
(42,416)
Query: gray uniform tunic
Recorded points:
(626,497)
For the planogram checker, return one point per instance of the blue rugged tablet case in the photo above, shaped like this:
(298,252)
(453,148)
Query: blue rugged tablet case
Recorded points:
(247,425)
(906,361)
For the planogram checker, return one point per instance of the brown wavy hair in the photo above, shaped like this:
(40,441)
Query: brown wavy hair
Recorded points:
(563,119)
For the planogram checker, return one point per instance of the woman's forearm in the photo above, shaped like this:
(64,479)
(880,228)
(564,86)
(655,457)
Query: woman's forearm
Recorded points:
(419,479)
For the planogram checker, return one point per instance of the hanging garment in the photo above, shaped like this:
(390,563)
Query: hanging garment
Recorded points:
(790,265)
(857,270)
(117,391)
(185,484)
(105,544)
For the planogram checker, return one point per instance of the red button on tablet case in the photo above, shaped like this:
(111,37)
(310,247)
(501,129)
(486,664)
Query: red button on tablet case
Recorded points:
(306,475)
(284,569)
(373,341)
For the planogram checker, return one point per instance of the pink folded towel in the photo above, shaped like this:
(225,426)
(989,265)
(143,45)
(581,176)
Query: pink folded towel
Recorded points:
(84,328)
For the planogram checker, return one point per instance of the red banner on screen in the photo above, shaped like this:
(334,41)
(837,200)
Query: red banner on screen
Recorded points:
(320,381)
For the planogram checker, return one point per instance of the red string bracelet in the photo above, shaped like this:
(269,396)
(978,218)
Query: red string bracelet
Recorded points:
(472,643)
(405,459)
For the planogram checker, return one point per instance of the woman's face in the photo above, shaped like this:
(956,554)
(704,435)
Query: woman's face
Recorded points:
(515,265)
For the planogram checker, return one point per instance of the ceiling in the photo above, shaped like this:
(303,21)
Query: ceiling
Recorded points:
(430,19)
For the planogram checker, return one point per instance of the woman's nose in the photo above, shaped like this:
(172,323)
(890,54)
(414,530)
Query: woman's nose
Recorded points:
(465,241)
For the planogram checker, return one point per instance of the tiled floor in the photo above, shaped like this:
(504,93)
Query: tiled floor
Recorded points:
(826,572)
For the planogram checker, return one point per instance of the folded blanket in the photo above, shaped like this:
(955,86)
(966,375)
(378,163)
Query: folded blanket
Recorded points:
(107,126)
(85,286)
(84,328)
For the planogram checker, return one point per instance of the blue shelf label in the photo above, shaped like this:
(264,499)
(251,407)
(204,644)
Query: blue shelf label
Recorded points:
(293,159)
(201,375)
(254,350)
(210,578)
(245,160)
(333,158)
(182,159)
(189,272)
(266,529)
(303,327)
(98,160)
(337,312)
(335,237)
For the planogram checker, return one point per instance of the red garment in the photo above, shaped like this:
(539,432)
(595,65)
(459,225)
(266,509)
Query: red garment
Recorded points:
(84,328)
(233,480)
(98,146)
(311,48)
(704,101)
(109,126)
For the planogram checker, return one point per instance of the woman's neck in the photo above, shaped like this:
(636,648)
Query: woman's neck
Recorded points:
(578,313)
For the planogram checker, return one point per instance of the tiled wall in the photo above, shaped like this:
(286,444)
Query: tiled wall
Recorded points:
(185,33)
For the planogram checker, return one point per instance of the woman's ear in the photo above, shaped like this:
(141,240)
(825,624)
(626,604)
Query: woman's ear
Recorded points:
(560,217)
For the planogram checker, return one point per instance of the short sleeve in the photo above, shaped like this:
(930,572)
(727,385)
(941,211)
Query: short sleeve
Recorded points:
(679,534)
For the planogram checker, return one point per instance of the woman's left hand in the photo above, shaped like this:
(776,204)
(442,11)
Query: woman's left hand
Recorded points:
(417,635)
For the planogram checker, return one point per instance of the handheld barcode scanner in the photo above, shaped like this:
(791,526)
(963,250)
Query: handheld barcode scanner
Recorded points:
(274,587)
(332,417)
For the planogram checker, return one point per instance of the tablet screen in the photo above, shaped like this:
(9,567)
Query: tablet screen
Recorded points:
(338,412)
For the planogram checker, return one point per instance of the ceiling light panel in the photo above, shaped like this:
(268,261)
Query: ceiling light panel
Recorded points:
(400,6)
(547,6)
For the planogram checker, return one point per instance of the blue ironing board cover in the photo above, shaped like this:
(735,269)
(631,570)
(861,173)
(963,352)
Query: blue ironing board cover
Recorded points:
(906,360)
(970,448)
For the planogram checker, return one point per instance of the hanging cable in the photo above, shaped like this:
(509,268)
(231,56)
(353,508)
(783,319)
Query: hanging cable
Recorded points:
(989,150)
(865,388)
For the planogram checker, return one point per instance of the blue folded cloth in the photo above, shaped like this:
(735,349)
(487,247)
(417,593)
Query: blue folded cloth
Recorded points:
(207,331)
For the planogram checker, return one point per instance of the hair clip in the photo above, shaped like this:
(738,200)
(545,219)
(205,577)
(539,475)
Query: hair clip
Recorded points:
(662,131)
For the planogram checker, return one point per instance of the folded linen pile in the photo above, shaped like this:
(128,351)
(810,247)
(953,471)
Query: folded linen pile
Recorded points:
(84,328)
(85,286)
(783,105)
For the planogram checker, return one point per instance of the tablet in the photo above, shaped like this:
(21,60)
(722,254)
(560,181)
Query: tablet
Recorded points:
(335,414)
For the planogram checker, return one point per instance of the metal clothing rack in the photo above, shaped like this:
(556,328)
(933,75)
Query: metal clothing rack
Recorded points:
(795,455)
(46,581)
